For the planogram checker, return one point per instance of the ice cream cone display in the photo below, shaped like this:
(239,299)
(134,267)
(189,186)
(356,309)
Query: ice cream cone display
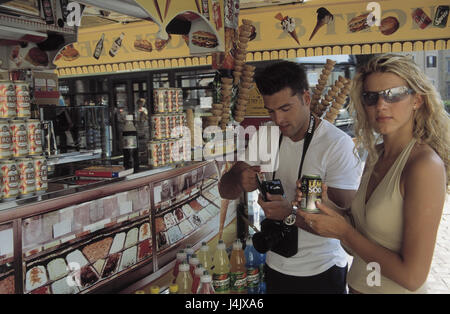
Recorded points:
(288,24)
(318,90)
(339,100)
(323,17)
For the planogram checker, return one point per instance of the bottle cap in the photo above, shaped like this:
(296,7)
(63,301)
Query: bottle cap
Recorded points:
(194,260)
(183,267)
(204,247)
(237,245)
(139,292)
(181,255)
(199,270)
(173,288)
(205,278)
(154,289)
(249,241)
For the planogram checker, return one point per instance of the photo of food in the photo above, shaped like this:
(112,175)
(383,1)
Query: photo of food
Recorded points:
(389,25)
(358,23)
(323,17)
(204,39)
(143,45)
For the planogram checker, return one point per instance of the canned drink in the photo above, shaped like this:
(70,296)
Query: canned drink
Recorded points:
(10,180)
(180,100)
(158,101)
(164,153)
(8,100)
(27,181)
(34,137)
(311,192)
(40,174)
(19,138)
(157,125)
(22,99)
(169,103)
(421,18)
(154,152)
(441,16)
(166,128)
(5,140)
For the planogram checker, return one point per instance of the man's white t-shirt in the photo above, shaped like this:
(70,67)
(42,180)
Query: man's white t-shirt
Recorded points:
(329,155)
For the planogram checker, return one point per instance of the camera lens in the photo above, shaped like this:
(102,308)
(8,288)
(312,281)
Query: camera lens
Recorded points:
(260,242)
(269,236)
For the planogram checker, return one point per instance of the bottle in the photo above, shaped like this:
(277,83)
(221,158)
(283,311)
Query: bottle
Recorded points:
(99,47)
(139,292)
(238,272)
(193,262)
(48,11)
(252,266)
(116,45)
(90,133)
(204,255)
(181,256)
(154,289)
(130,148)
(184,279)
(82,131)
(221,269)
(197,275)
(262,277)
(206,286)
(173,289)
(189,251)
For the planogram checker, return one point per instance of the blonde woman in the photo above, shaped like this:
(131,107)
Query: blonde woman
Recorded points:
(398,206)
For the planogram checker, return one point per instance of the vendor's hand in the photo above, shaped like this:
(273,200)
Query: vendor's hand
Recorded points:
(327,224)
(276,208)
(248,178)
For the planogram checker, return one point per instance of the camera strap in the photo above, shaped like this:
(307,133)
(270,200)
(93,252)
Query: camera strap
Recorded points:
(308,138)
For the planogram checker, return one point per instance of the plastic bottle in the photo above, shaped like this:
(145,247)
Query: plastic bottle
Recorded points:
(184,279)
(252,266)
(197,275)
(206,285)
(154,289)
(204,255)
(262,277)
(238,272)
(189,251)
(181,256)
(193,262)
(221,269)
(130,145)
(173,289)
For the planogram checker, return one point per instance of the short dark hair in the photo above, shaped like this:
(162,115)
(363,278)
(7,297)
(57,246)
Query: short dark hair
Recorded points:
(280,75)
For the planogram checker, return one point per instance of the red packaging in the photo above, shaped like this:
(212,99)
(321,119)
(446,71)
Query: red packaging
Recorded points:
(421,18)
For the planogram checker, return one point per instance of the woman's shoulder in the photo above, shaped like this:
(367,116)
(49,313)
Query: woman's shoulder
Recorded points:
(424,161)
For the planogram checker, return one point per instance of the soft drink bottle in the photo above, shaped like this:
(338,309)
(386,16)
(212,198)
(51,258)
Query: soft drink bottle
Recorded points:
(206,286)
(252,265)
(184,279)
(221,269)
(193,262)
(181,256)
(262,276)
(204,255)
(189,251)
(197,275)
(154,289)
(238,272)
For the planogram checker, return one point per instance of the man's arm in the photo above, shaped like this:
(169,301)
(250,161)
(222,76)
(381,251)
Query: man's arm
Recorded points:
(240,178)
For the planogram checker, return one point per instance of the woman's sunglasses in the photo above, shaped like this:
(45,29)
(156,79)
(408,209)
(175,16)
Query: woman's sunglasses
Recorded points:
(390,95)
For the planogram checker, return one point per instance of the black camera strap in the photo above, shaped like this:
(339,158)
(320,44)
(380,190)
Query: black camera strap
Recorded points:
(308,138)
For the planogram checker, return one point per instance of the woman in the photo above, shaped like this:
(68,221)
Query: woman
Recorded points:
(398,206)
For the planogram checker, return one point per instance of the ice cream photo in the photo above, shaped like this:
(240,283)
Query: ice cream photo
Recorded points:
(323,17)
(288,24)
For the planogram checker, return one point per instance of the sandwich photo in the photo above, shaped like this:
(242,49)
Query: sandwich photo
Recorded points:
(204,39)
(160,44)
(358,23)
(143,45)
(69,53)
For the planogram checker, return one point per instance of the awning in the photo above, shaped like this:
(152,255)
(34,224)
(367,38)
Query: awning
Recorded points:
(406,25)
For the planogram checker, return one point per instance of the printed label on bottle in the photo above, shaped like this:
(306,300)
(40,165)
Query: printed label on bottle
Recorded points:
(252,277)
(221,283)
(129,142)
(238,281)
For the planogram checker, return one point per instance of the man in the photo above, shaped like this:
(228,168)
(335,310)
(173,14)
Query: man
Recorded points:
(320,265)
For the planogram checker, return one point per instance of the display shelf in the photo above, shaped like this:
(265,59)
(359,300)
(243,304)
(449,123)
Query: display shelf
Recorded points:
(73,157)
(33,25)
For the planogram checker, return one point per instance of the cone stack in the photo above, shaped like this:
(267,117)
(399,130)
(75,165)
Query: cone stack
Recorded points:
(317,91)
(344,88)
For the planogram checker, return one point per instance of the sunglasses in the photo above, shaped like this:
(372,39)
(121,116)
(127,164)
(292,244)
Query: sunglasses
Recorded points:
(390,95)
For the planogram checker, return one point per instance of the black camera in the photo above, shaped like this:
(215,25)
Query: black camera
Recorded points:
(275,235)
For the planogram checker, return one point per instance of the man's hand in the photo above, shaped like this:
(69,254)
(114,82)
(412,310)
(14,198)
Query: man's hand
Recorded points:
(248,178)
(276,208)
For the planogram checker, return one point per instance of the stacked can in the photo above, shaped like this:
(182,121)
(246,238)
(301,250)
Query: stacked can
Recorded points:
(167,123)
(23,169)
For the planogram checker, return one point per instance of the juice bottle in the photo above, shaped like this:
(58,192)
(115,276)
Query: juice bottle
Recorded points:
(184,279)
(193,262)
(262,276)
(206,286)
(252,266)
(181,256)
(189,251)
(197,274)
(173,289)
(238,272)
(204,255)
(154,289)
(221,269)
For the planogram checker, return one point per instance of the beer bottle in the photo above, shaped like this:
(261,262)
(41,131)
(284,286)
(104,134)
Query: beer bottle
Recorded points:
(116,45)
(99,47)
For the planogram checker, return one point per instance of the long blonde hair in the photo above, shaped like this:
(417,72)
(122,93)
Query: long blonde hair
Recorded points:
(431,122)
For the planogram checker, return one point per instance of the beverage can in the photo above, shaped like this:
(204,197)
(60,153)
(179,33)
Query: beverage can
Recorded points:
(154,154)
(40,174)
(5,140)
(158,101)
(158,125)
(22,99)
(34,137)
(441,16)
(27,182)
(19,138)
(169,100)
(421,18)
(8,100)
(311,187)
(10,179)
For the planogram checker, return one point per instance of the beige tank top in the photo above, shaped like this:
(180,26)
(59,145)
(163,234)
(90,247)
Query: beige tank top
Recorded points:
(380,220)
